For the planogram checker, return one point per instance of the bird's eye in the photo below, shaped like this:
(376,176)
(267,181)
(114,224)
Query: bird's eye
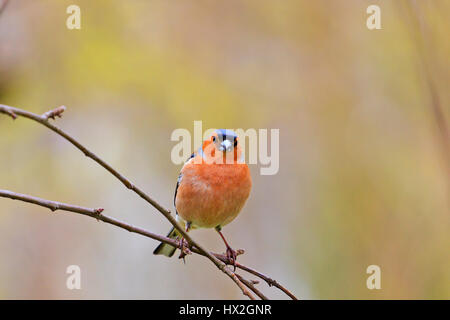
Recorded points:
(235,142)
(214,139)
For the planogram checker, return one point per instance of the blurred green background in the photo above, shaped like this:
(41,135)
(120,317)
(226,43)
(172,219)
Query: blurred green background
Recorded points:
(364,166)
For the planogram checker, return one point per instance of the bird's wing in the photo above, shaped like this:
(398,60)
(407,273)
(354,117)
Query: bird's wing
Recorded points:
(176,189)
(180,176)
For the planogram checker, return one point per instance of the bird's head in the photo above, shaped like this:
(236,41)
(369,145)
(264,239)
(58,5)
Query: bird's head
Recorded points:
(222,147)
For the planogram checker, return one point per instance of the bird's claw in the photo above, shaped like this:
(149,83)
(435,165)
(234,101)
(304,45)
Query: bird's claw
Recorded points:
(184,248)
(232,256)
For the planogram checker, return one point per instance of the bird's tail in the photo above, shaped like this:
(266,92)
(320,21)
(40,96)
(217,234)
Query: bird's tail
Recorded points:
(167,249)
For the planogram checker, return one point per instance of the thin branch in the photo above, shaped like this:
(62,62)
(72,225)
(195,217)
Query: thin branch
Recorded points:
(51,114)
(52,205)
(98,214)
(93,213)
(271,282)
(219,260)
(251,286)
(44,120)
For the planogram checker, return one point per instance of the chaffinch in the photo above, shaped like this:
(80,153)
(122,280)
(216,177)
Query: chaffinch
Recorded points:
(211,190)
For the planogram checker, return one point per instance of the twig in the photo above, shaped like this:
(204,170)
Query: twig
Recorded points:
(252,287)
(271,282)
(13,112)
(52,205)
(54,113)
(93,213)
(219,260)
(98,214)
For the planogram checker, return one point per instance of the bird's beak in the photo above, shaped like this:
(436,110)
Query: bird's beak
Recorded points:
(225,146)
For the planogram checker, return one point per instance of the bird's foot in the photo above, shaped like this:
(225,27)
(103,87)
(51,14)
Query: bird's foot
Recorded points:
(184,248)
(232,256)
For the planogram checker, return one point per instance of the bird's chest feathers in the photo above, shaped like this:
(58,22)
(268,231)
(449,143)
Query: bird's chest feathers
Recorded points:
(210,195)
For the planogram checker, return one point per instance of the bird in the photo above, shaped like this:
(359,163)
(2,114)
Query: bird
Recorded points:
(212,188)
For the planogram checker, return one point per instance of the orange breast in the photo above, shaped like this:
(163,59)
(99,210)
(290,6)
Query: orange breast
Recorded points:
(210,195)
